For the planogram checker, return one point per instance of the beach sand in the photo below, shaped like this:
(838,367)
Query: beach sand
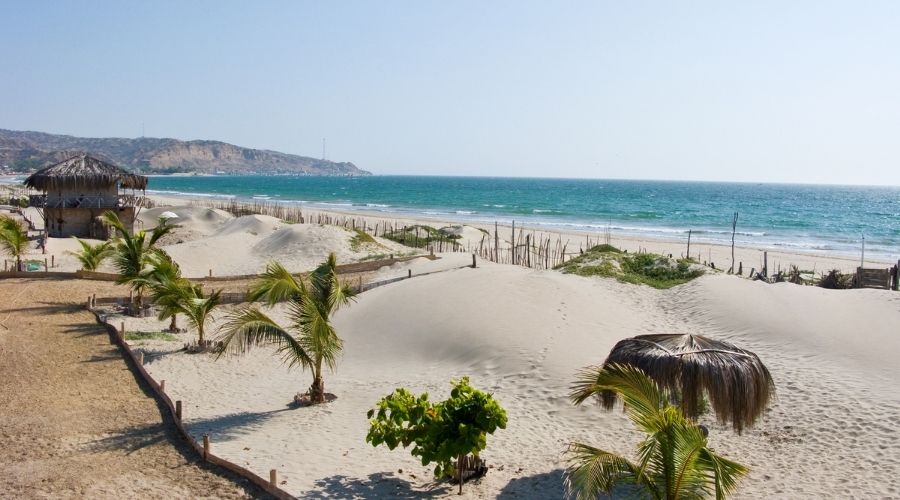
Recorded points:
(521,334)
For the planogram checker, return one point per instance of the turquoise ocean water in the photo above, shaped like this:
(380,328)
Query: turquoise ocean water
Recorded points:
(809,218)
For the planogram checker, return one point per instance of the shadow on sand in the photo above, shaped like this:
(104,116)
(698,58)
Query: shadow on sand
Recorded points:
(544,485)
(377,485)
(231,426)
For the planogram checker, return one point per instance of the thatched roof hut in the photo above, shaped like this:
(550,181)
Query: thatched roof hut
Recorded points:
(84,172)
(736,382)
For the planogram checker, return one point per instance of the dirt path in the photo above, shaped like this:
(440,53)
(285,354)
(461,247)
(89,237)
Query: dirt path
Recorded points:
(74,422)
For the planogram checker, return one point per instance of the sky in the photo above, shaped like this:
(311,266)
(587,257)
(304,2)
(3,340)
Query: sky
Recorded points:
(720,91)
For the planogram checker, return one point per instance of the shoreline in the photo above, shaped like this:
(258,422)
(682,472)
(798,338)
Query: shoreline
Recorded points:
(720,254)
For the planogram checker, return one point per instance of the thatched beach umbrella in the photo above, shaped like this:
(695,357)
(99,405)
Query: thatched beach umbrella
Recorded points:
(84,171)
(736,382)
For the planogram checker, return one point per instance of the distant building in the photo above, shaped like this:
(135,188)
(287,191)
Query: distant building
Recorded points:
(78,190)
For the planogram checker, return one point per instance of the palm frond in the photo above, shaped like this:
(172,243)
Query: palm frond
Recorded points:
(13,237)
(643,398)
(91,256)
(275,284)
(249,327)
(163,228)
(593,471)
(725,473)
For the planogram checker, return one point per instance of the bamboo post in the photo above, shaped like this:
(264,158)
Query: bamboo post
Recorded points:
(178,410)
(273,478)
(689,244)
(94,300)
(162,386)
(141,358)
(473,261)
(88,302)
(765,269)
(122,330)
(45,265)
(409,273)
(52,261)
(205,447)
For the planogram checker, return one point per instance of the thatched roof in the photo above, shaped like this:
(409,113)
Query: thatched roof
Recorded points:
(84,171)
(735,380)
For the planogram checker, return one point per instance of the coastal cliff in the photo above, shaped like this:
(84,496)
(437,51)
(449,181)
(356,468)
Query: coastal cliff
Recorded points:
(24,150)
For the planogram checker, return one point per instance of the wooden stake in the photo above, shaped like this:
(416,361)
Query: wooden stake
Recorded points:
(210,273)
(409,273)
(162,386)
(205,446)
(273,478)
(473,261)
(141,358)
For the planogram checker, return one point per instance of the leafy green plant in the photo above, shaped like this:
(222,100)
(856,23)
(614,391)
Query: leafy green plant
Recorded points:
(91,256)
(138,336)
(835,280)
(439,432)
(420,236)
(359,239)
(132,253)
(13,239)
(674,459)
(650,269)
(310,339)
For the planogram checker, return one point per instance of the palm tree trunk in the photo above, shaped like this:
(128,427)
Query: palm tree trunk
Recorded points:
(173,326)
(200,333)
(317,390)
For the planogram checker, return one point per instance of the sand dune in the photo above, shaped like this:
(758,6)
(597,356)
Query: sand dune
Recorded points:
(521,334)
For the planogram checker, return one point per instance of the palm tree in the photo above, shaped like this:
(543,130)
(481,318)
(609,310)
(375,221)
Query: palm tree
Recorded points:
(162,278)
(310,340)
(133,253)
(674,460)
(182,296)
(13,239)
(91,256)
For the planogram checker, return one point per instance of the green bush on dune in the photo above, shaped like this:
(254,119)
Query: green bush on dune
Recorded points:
(650,269)
(420,236)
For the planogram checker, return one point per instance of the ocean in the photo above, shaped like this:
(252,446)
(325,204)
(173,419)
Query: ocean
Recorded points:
(809,218)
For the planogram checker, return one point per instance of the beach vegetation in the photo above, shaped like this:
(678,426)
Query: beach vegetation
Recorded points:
(422,236)
(133,253)
(174,295)
(835,280)
(309,340)
(443,433)
(674,459)
(141,336)
(359,239)
(13,239)
(91,256)
(650,269)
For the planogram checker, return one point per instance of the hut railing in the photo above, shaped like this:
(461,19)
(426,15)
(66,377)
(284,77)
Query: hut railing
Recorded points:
(125,200)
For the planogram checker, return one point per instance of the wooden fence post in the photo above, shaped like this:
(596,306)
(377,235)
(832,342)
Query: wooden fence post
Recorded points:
(45,265)
(473,261)
(205,447)
(273,478)
(162,386)
(52,261)
(178,410)
(141,358)
(409,273)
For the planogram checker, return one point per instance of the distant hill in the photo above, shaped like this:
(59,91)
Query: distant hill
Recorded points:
(24,151)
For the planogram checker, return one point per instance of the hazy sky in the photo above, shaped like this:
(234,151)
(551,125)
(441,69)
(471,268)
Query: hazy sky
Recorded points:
(750,91)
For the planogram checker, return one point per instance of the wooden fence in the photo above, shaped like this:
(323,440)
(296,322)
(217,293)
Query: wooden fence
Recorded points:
(883,279)
(135,362)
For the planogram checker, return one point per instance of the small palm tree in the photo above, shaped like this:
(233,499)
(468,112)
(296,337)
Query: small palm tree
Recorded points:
(182,296)
(91,256)
(133,253)
(13,239)
(310,340)
(674,460)
(165,274)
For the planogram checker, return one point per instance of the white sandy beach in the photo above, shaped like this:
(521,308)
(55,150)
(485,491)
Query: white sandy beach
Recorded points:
(521,334)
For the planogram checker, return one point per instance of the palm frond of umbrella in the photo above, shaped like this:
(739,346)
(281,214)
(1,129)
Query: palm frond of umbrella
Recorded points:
(736,382)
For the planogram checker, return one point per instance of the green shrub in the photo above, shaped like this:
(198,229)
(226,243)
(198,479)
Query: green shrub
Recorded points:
(439,432)
(650,269)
